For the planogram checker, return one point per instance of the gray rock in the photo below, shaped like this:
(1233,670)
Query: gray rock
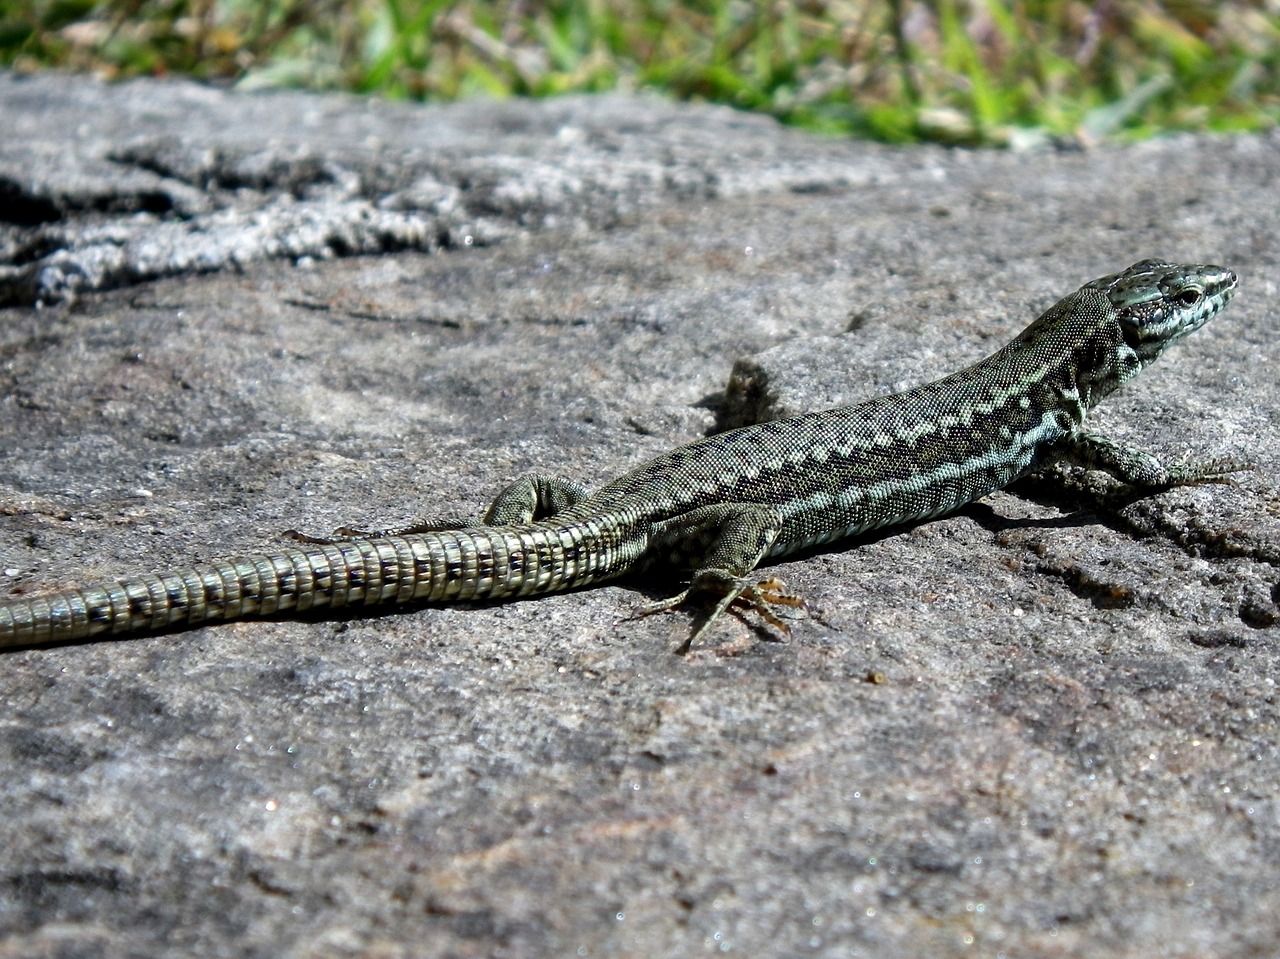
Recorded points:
(166,179)
(1045,725)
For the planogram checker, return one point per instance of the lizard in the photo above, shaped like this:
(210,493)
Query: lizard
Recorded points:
(712,511)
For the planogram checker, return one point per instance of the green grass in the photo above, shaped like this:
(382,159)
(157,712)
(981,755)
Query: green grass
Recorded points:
(960,71)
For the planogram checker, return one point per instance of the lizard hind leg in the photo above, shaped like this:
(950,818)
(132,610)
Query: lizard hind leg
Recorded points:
(728,540)
(532,498)
(528,499)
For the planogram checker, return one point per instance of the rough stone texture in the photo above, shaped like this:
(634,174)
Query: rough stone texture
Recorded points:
(1045,726)
(183,184)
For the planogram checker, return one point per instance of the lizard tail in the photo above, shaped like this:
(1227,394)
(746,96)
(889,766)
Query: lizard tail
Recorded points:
(480,563)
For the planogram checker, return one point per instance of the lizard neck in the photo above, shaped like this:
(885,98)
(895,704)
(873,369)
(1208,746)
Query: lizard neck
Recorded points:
(1076,349)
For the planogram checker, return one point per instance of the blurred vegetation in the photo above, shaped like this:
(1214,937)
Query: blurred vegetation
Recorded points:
(967,71)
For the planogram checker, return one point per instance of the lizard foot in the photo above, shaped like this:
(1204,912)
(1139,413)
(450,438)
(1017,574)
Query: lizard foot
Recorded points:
(344,534)
(766,594)
(1219,470)
(760,597)
(300,537)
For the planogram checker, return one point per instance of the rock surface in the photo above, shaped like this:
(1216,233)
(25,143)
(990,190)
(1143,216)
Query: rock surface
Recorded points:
(1045,725)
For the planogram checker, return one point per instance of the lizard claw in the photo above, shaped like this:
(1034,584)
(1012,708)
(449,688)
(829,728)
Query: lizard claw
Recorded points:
(766,594)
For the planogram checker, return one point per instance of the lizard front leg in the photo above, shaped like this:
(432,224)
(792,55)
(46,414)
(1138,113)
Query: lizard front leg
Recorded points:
(1139,468)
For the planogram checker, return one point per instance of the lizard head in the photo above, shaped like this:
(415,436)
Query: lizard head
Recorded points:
(1158,303)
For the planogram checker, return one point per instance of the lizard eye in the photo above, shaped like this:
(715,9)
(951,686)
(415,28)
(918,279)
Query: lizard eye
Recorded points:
(1188,297)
